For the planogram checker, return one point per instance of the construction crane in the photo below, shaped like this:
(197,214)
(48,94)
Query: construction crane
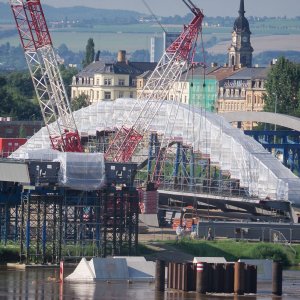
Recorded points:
(176,59)
(50,90)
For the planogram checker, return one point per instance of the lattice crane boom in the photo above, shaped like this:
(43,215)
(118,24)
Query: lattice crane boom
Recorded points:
(168,71)
(50,90)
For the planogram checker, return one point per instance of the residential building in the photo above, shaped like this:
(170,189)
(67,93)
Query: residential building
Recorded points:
(102,81)
(204,88)
(243,91)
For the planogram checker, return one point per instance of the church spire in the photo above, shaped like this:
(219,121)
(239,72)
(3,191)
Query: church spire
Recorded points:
(242,9)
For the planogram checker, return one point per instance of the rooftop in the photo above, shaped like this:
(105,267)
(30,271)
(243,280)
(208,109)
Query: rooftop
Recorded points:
(250,73)
(130,68)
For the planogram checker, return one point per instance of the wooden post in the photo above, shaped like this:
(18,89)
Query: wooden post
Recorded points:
(277,279)
(61,271)
(179,276)
(239,278)
(160,276)
(201,280)
(253,285)
(229,278)
(170,275)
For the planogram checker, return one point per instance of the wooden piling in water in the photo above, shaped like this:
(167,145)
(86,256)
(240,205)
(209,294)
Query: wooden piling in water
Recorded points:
(277,279)
(239,278)
(160,276)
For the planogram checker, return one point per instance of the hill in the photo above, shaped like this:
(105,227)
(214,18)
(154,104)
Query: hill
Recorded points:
(79,13)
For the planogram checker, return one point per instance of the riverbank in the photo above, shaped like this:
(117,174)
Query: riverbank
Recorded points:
(187,249)
(289,255)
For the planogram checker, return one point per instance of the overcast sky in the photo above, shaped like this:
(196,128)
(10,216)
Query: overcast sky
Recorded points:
(289,8)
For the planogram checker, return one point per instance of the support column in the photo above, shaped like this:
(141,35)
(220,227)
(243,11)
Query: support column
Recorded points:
(192,170)
(176,165)
(28,231)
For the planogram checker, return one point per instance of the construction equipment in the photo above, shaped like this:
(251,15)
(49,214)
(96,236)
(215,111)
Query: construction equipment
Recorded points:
(41,59)
(176,59)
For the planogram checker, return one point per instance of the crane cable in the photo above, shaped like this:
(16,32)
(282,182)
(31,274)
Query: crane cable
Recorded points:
(155,17)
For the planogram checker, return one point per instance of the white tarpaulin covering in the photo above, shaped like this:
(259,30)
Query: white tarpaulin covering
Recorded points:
(240,155)
(79,171)
(113,269)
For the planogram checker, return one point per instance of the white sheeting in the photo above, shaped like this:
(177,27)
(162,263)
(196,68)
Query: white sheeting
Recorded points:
(245,159)
(78,171)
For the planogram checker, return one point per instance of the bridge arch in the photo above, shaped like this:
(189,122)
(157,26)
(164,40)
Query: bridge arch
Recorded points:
(209,134)
(264,117)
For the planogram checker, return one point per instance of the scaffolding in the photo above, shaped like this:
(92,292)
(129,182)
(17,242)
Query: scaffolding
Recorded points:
(233,156)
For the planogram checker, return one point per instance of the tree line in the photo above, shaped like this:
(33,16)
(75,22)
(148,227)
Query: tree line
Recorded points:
(17,95)
(283,88)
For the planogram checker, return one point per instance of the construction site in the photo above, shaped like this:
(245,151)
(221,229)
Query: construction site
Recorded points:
(82,183)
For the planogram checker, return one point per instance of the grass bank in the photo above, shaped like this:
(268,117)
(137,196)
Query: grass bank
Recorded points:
(9,253)
(232,250)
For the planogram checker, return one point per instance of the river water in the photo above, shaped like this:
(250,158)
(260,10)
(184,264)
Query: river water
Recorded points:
(43,284)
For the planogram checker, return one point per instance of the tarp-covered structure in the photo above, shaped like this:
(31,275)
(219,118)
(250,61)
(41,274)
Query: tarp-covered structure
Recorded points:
(240,155)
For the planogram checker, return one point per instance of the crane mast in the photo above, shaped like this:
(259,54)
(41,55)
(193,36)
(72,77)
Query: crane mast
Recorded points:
(50,90)
(168,71)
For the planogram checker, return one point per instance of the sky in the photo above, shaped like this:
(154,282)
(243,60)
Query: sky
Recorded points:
(289,8)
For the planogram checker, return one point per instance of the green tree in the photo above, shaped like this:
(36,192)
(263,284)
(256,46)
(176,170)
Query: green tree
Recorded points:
(16,99)
(283,88)
(79,102)
(89,52)
(67,74)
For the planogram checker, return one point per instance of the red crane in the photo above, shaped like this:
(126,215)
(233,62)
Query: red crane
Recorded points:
(50,90)
(176,59)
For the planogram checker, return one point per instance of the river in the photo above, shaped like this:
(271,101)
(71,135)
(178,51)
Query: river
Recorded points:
(43,284)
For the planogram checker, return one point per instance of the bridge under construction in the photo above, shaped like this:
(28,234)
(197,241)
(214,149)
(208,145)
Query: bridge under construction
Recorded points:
(78,186)
(55,204)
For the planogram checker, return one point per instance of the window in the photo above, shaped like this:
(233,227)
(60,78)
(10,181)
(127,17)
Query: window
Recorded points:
(249,99)
(91,94)
(121,82)
(97,81)
(221,92)
(107,95)
(9,130)
(133,82)
(121,94)
(107,81)
(131,95)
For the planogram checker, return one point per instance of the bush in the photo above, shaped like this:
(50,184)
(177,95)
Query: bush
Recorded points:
(270,251)
(9,253)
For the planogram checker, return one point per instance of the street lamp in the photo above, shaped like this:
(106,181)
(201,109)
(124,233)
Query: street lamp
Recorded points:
(275,111)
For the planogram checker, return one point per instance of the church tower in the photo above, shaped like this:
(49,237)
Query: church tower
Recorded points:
(240,51)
